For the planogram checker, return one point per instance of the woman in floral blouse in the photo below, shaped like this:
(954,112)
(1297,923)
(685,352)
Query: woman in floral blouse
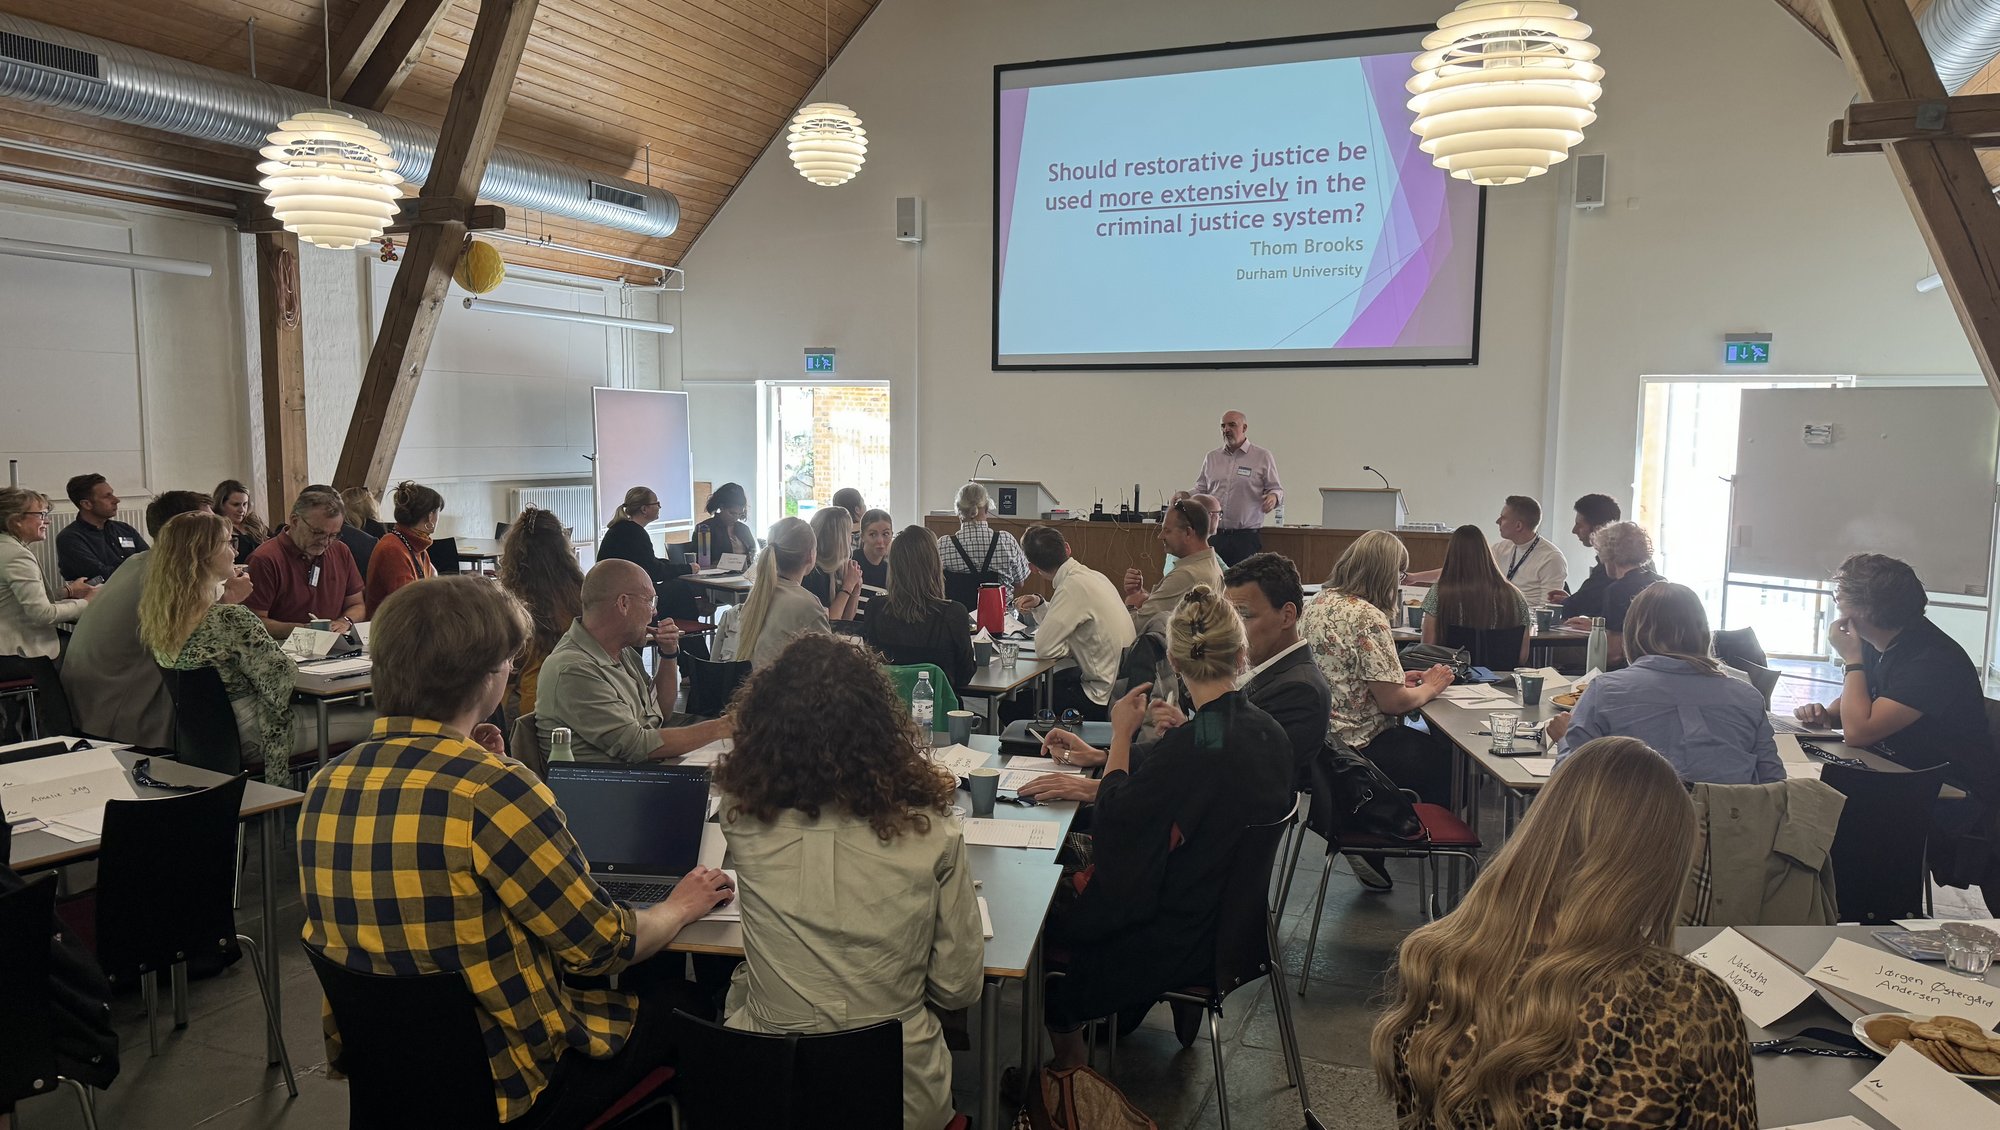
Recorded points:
(192,616)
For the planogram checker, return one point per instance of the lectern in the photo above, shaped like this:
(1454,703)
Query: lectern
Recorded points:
(1018,498)
(1360,508)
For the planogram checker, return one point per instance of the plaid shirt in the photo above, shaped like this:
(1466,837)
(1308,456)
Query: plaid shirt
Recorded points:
(420,851)
(1008,560)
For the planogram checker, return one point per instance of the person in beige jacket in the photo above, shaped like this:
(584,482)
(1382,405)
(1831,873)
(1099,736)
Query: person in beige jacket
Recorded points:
(28,618)
(856,896)
(1184,534)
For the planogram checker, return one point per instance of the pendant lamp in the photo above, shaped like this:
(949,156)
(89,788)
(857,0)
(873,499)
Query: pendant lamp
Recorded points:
(1503,89)
(327,176)
(826,140)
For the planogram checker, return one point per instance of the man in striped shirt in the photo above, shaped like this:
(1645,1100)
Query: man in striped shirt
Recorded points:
(1244,477)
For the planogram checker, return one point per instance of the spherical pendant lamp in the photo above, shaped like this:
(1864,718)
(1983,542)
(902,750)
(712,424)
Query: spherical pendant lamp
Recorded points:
(1504,88)
(330,180)
(828,144)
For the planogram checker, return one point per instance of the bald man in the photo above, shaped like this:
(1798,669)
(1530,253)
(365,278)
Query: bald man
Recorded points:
(594,681)
(1244,477)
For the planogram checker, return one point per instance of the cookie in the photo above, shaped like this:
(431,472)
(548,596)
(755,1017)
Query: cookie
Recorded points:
(1934,1050)
(1888,1031)
(1957,1024)
(1981,1062)
(1927,1030)
(1948,1057)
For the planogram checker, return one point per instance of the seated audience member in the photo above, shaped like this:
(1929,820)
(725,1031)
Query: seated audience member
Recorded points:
(188,626)
(1472,595)
(305,573)
(1082,619)
(778,610)
(1674,697)
(359,540)
(1164,832)
(877,530)
(1282,680)
(724,529)
(113,683)
(977,548)
(1625,553)
(97,543)
(403,553)
(626,539)
(914,623)
(426,849)
(858,904)
(594,681)
(28,618)
(1529,561)
(1347,627)
(246,530)
(1183,533)
(538,568)
(1552,996)
(1593,513)
(363,513)
(834,579)
(850,500)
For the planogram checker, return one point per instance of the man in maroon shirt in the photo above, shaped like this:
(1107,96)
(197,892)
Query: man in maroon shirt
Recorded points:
(305,573)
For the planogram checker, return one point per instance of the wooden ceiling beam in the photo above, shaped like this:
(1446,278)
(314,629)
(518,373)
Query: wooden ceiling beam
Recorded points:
(416,298)
(357,41)
(395,56)
(1942,179)
(1970,116)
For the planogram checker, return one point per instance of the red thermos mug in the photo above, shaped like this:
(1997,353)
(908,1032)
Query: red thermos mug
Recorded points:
(992,613)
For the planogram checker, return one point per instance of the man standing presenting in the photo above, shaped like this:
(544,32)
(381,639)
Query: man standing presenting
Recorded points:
(1245,477)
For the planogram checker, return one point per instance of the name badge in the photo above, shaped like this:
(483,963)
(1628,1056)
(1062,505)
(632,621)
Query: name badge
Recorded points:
(126,543)
(1243,471)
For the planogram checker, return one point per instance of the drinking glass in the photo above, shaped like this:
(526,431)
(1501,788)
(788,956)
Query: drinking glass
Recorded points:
(1502,723)
(1010,654)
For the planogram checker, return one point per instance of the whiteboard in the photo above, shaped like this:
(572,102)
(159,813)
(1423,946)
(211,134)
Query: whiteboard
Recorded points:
(642,440)
(1910,473)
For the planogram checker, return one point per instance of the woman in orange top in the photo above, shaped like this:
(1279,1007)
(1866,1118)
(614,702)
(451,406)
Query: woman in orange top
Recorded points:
(403,553)
(538,566)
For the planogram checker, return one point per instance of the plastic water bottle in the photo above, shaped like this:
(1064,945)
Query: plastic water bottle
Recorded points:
(559,745)
(702,558)
(923,708)
(1597,652)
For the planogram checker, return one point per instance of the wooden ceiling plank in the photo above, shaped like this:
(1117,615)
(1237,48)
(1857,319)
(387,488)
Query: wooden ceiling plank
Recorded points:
(402,44)
(416,298)
(1967,116)
(1807,14)
(758,62)
(1943,180)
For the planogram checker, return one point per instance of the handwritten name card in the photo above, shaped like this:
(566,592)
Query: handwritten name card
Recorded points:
(1916,1094)
(1765,986)
(1905,985)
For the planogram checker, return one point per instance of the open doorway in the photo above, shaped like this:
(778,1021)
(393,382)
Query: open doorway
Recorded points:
(817,438)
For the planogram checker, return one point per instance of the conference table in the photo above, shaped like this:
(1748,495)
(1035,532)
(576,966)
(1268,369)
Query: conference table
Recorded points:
(994,681)
(1018,885)
(723,588)
(264,803)
(312,682)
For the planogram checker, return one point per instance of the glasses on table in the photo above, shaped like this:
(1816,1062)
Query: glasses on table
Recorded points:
(142,775)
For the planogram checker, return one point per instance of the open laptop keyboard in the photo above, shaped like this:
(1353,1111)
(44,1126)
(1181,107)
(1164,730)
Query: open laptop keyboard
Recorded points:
(1786,724)
(636,893)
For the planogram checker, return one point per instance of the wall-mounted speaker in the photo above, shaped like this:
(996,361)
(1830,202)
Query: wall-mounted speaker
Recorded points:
(1589,180)
(910,219)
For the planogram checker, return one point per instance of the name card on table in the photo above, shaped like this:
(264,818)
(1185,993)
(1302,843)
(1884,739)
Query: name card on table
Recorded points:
(959,759)
(1041,834)
(1844,1122)
(1905,985)
(1916,1094)
(48,788)
(1766,987)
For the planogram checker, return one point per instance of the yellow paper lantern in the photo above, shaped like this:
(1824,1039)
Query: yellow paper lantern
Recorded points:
(480,268)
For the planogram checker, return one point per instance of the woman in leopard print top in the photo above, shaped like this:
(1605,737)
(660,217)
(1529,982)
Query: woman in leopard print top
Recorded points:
(1548,1000)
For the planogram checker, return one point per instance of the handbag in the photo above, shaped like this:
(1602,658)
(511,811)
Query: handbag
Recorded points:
(1077,1098)
(1423,656)
(1350,796)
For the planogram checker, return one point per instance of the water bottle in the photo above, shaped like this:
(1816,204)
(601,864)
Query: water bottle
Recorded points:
(559,745)
(702,559)
(923,708)
(1597,652)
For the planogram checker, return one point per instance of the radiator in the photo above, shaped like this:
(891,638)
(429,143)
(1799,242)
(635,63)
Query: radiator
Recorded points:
(575,505)
(61,514)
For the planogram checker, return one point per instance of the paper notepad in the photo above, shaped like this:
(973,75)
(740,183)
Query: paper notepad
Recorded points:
(961,760)
(985,917)
(986,832)
(1537,766)
(1041,765)
(1011,780)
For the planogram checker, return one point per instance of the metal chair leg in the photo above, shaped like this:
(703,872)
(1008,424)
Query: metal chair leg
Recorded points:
(241,852)
(1312,941)
(1111,1061)
(85,1104)
(1288,1036)
(177,982)
(149,995)
(270,1020)
(1291,869)
(1221,1081)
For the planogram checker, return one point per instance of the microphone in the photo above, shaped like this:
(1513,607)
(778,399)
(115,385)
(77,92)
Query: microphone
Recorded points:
(984,456)
(1379,475)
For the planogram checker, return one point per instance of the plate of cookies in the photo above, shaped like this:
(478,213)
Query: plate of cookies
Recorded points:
(1952,1042)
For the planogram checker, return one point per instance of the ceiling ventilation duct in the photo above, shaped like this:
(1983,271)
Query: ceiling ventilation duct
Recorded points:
(1962,35)
(52,67)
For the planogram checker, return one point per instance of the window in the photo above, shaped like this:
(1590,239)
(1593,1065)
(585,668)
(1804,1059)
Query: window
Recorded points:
(818,438)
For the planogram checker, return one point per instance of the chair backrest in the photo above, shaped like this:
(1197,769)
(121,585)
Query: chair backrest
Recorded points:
(411,1048)
(1143,662)
(361,544)
(904,675)
(1242,933)
(788,1079)
(710,684)
(27,1029)
(908,655)
(1738,646)
(1497,649)
(499,530)
(963,585)
(525,745)
(1878,847)
(166,879)
(205,731)
(681,552)
(444,555)
(1763,678)
(1993,722)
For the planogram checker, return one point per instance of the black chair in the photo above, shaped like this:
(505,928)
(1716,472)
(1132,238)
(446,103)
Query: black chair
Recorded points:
(789,1079)
(1497,649)
(27,1026)
(1763,678)
(444,555)
(711,685)
(205,733)
(1738,646)
(165,893)
(1878,847)
(499,530)
(411,1048)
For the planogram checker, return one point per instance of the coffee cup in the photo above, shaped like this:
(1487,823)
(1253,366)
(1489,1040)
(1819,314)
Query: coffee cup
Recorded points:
(959,722)
(984,785)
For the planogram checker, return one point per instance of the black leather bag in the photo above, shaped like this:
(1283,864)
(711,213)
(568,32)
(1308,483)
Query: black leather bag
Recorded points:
(1350,796)
(1423,656)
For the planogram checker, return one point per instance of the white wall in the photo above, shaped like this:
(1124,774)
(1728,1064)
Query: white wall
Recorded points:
(1725,215)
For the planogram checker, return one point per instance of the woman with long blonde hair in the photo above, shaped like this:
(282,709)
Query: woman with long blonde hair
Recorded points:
(835,577)
(777,610)
(1554,983)
(191,616)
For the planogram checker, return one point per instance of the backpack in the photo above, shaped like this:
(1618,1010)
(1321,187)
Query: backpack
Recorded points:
(964,587)
(1077,1098)
(1350,795)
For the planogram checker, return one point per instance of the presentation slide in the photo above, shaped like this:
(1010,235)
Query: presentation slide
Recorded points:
(1250,205)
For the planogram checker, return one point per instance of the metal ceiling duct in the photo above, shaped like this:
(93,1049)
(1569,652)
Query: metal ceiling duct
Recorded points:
(53,67)
(1962,35)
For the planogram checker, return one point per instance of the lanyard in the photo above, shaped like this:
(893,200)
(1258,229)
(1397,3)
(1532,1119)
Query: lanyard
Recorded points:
(1521,554)
(422,560)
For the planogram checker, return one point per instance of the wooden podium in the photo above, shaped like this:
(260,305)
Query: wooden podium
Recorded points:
(1018,498)
(1361,508)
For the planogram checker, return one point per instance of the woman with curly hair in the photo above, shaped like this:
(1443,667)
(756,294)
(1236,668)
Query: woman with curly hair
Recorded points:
(857,903)
(539,569)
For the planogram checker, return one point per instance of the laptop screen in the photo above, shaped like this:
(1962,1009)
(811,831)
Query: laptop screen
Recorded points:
(634,821)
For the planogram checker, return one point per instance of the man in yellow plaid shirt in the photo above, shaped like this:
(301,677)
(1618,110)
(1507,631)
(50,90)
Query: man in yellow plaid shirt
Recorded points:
(425,849)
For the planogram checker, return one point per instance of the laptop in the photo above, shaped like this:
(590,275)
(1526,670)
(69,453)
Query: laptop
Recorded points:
(640,827)
(1786,724)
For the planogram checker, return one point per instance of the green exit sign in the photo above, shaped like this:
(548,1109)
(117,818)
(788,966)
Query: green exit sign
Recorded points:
(1749,349)
(819,360)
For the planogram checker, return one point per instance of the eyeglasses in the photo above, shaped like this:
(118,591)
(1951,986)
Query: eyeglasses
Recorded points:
(141,775)
(34,514)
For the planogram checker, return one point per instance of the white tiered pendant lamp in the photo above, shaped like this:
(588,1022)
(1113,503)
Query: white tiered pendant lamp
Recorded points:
(827,142)
(330,180)
(1504,88)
